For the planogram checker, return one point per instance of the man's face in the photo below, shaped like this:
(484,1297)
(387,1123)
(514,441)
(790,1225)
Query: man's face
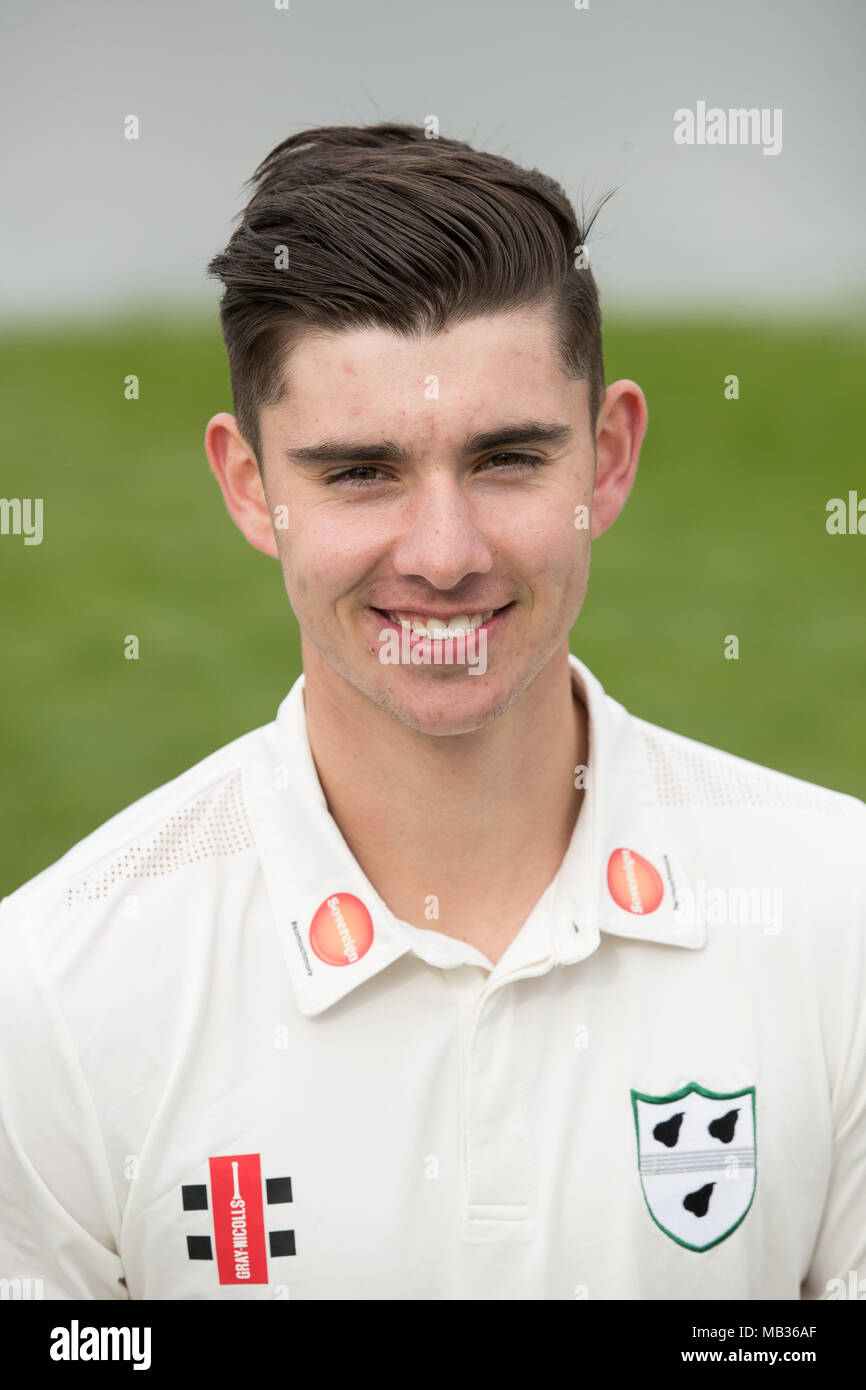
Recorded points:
(451,529)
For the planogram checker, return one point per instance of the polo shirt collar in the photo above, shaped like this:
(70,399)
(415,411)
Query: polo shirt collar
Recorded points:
(620,874)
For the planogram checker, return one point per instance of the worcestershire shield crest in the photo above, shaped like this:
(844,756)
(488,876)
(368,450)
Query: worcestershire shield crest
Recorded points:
(697,1161)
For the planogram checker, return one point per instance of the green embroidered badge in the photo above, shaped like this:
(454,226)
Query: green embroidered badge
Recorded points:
(697,1161)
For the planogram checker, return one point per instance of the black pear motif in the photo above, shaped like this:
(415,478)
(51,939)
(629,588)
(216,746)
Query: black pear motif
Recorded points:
(698,1202)
(724,1127)
(668,1131)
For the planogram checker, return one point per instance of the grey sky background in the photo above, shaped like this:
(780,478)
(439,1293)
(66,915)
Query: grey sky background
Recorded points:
(92,222)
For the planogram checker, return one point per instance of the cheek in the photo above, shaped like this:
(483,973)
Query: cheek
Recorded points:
(320,563)
(549,545)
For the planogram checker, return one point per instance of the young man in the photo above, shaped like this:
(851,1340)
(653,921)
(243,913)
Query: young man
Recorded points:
(457,981)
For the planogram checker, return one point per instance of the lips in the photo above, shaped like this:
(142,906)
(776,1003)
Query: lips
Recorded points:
(439,626)
(468,609)
(430,642)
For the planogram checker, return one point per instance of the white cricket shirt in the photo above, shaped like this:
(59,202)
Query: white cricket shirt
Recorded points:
(228,1071)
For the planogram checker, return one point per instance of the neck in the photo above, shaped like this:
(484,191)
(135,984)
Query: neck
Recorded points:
(478,822)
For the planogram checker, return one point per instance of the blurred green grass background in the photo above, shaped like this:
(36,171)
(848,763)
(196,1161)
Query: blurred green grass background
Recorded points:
(724,533)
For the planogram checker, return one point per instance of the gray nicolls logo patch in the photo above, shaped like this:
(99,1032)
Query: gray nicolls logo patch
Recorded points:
(697,1161)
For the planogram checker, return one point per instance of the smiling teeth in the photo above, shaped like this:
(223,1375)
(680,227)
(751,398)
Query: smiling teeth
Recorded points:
(437,627)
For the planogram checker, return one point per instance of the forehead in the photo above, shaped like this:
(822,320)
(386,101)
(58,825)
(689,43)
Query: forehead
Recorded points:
(495,362)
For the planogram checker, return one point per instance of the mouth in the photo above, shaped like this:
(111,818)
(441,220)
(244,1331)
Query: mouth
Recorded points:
(440,629)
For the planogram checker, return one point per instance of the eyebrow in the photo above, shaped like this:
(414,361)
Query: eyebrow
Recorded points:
(387,451)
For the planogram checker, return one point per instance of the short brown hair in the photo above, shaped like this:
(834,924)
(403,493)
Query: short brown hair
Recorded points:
(386,228)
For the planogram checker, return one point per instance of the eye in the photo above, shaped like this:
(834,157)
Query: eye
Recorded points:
(523,460)
(352,477)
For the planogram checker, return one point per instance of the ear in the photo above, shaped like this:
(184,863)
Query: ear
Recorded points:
(619,434)
(237,472)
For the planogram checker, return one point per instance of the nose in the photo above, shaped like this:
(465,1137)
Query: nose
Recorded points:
(440,540)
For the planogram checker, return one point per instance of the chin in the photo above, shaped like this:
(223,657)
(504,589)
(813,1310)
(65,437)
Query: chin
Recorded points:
(459,705)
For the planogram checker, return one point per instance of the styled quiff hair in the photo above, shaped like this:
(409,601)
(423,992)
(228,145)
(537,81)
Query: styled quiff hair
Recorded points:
(380,227)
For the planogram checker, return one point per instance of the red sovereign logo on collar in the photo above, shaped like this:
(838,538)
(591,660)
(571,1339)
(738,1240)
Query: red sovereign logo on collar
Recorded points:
(341,931)
(635,884)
